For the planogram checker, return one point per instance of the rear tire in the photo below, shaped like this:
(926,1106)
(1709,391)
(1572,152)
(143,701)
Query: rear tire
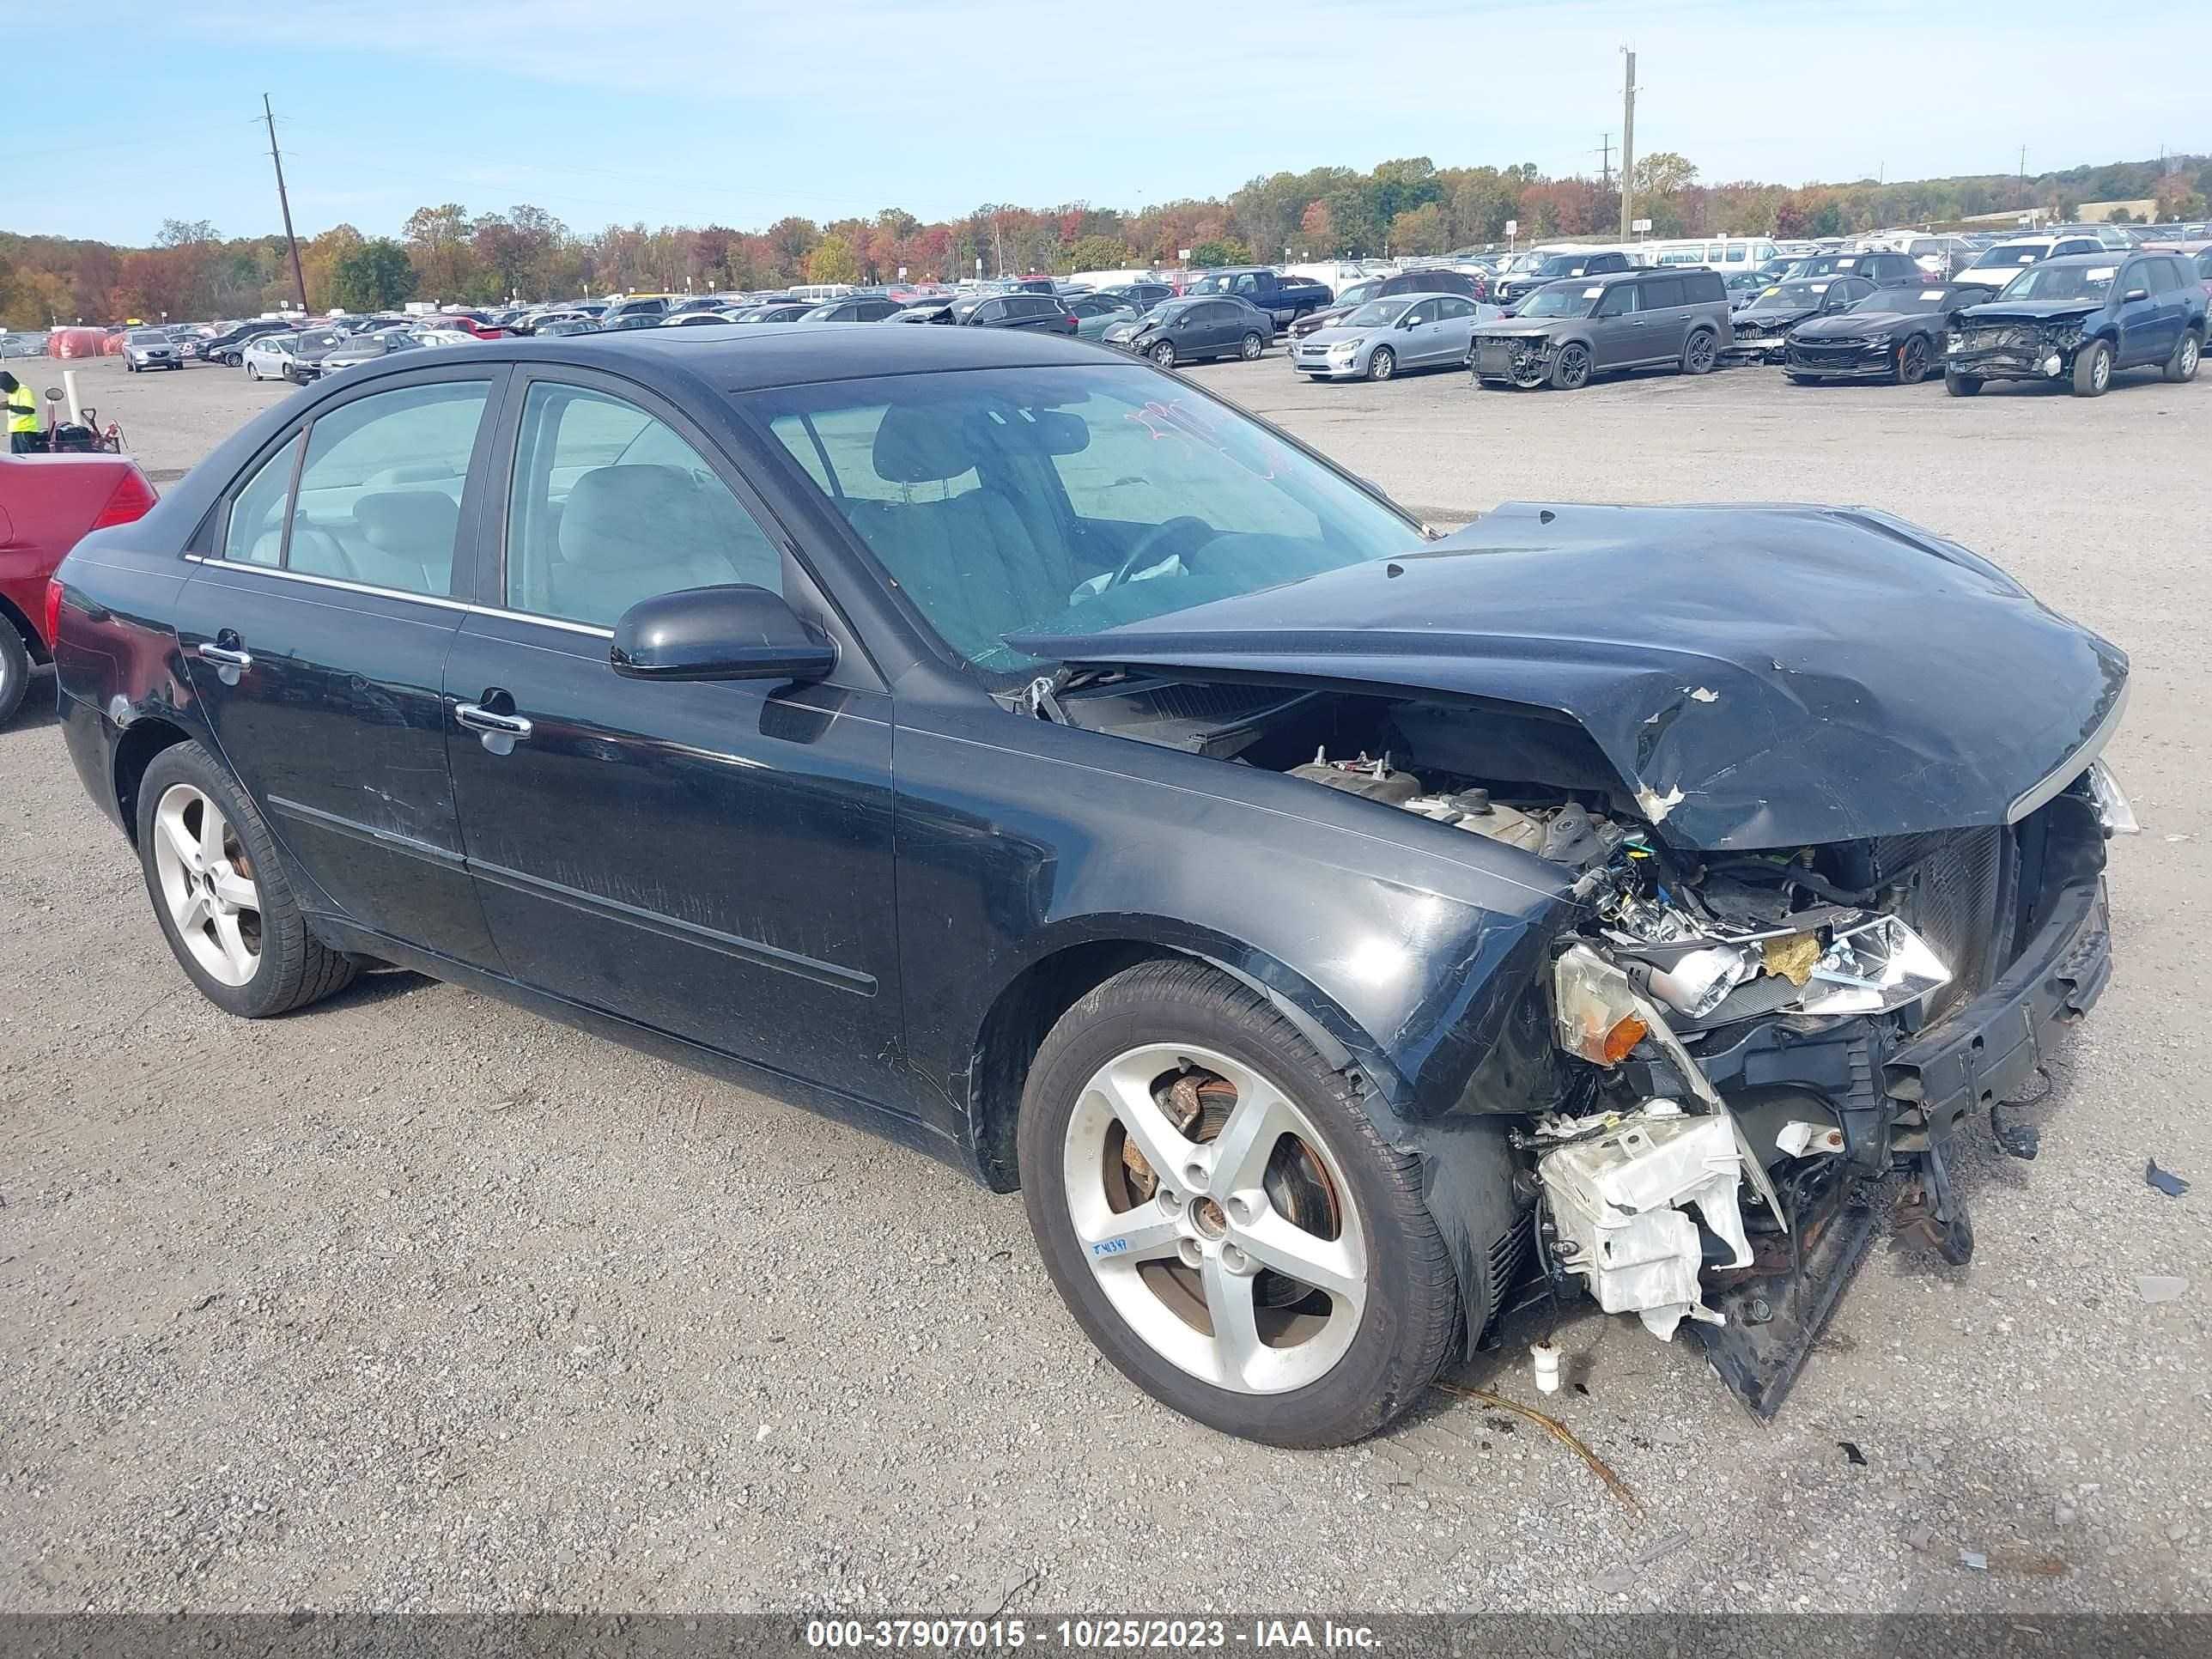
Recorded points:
(1961,386)
(270,966)
(14,670)
(2092,369)
(1699,353)
(232,360)
(1382,363)
(1313,1368)
(2188,351)
(1254,346)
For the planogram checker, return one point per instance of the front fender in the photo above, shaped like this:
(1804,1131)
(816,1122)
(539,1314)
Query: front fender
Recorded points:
(1406,942)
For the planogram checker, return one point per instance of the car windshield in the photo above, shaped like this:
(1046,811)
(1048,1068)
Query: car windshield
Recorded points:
(1084,496)
(1562,264)
(2061,283)
(1357,293)
(1790,297)
(1377,313)
(1219,282)
(2013,253)
(1561,299)
(1908,301)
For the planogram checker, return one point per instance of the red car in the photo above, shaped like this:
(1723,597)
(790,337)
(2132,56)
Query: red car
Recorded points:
(47,503)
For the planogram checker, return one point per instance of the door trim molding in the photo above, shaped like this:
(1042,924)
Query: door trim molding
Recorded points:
(353,830)
(834,975)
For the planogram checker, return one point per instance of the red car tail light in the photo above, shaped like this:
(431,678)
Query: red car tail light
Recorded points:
(132,500)
(53,611)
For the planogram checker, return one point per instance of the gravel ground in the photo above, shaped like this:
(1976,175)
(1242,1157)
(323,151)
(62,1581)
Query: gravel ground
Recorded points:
(418,1302)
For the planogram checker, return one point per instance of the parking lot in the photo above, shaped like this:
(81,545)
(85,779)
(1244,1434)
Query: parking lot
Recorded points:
(414,1301)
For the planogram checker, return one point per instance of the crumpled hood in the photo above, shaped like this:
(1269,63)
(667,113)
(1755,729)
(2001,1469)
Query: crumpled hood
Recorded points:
(2032,311)
(1757,677)
(1777,317)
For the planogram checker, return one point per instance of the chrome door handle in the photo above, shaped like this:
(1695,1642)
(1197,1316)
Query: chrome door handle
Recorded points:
(478,717)
(226,658)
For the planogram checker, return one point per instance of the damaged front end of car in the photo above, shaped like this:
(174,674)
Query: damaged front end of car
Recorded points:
(1820,798)
(1521,358)
(1999,348)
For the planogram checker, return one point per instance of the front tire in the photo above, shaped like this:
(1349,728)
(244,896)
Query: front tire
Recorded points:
(1164,354)
(1961,386)
(1382,363)
(1913,360)
(232,360)
(2092,369)
(1571,369)
(221,894)
(2187,352)
(1223,1219)
(14,670)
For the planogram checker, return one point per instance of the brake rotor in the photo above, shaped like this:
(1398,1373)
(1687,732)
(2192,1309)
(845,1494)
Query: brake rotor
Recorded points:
(1298,1187)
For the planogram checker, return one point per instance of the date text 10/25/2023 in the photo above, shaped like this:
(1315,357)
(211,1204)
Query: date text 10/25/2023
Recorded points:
(1091,1635)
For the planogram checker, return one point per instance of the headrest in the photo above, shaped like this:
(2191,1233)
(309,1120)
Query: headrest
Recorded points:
(637,513)
(420,523)
(919,445)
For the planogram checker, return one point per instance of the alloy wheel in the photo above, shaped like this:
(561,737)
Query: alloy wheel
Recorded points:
(1912,363)
(1164,354)
(1254,345)
(2100,370)
(2189,355)
(1573,368)
(1383,364)
(207,882)
(1701,353)
(1216,1219)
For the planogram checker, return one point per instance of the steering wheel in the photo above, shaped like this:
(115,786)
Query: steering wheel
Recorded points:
(1146,553)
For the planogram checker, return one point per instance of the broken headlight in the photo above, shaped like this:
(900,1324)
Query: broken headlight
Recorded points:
(1870,968)
(1597,1015)
(2113,811)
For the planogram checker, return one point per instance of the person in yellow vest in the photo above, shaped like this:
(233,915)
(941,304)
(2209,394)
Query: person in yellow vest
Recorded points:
(22,413)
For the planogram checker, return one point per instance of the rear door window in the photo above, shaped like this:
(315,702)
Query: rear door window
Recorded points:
(379,494)
(255,534)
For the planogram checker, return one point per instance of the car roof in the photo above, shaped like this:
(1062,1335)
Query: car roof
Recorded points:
(2110,256)
(738,358)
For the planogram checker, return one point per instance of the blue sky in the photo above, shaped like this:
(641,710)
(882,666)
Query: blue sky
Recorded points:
(687,111)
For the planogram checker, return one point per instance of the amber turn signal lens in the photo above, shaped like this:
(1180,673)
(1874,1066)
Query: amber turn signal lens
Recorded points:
(1622,1039)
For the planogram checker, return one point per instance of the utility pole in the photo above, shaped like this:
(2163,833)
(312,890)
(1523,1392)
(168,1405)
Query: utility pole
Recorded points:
(299,277)
(2019,197)
(1628,144)
(1605,162)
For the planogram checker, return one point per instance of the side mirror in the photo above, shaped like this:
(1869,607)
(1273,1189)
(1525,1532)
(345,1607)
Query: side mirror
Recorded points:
(2136,293)
(735,632)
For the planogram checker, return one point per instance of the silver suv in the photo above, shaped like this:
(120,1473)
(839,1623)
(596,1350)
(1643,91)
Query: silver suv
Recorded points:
(1565,332)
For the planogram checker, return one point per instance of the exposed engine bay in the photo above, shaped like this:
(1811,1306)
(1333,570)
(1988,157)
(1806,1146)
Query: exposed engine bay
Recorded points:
(1711,1142)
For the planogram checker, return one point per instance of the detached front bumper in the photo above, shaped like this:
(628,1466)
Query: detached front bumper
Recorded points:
(1757,348)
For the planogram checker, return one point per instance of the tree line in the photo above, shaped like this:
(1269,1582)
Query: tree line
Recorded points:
(447,254)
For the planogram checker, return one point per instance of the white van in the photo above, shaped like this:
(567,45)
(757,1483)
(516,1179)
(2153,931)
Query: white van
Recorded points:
(1721,253)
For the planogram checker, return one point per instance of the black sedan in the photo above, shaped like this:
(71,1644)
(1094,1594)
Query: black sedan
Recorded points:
(1894,334)
(1190,330)
(1335,934)
(1761,327)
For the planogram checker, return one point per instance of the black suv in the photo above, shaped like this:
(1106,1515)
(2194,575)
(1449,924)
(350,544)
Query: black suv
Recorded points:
(1558,267)
(1883,270)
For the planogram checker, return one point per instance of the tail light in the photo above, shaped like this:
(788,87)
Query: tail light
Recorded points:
(132,499)
(53,611)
